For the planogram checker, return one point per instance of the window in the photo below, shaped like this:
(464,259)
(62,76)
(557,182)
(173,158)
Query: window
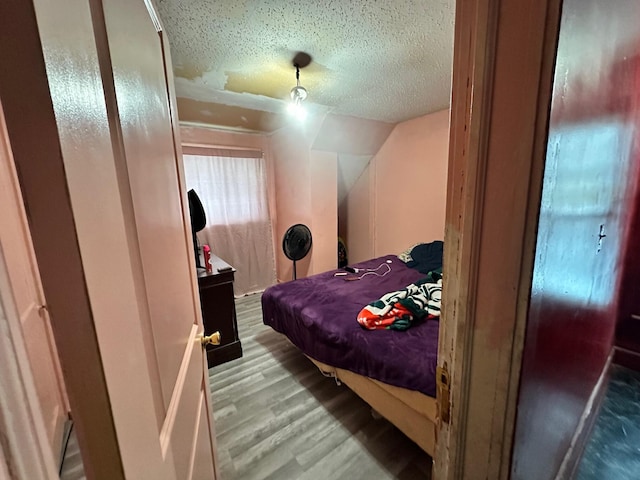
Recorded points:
(232,186)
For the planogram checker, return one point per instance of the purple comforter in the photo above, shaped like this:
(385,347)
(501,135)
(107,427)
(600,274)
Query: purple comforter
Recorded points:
(318,314)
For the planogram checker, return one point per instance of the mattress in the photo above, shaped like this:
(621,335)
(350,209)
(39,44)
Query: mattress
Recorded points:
(318,314)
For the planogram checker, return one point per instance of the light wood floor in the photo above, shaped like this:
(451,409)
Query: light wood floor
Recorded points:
(277,418)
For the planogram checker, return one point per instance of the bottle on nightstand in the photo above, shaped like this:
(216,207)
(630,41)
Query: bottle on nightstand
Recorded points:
(206,251)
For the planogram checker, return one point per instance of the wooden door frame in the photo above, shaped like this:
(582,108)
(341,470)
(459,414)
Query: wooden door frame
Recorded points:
(504,58)
(24,449)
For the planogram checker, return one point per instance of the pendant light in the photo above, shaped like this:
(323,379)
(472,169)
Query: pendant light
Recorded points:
(298,95)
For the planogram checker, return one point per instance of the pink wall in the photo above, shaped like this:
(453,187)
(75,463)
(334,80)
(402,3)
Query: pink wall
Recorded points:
(351,135)
(591,167)
(324,210)
(359,218)
(411,184)
(400,198)
(306,184)
(290,153)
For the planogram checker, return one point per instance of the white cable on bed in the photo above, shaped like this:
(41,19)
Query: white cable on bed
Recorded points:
(374,271)
(386,264)
(368,271)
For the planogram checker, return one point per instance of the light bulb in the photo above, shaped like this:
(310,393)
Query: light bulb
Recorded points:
(297,110)
(298,94)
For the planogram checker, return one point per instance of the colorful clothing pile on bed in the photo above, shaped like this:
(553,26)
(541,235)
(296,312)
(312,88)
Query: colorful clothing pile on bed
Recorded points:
(398,310)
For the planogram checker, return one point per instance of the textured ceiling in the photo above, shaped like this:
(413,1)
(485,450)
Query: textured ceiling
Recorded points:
(381,60)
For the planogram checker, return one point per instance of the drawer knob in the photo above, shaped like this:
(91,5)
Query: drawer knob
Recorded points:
(213,339)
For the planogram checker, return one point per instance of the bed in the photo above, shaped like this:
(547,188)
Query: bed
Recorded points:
(393,371)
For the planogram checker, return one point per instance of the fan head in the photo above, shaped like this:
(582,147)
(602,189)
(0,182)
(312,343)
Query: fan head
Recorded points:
(196,211)
(296,242)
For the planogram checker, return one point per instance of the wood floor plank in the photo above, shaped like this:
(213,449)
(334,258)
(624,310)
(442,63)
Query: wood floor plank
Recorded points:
(220,413)
(263,465)
(326,444)
(337,461)
(290,422)
(324,439)
(291,470)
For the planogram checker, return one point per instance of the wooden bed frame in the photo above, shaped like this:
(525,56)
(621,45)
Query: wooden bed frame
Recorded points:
(414,413)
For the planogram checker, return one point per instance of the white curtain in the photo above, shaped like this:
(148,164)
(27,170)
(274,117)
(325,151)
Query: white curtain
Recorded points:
(233,191)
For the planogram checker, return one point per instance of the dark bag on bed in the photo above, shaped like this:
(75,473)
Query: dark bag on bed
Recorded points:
(427,257)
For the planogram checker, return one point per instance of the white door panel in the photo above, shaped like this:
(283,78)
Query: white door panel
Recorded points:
(147,137)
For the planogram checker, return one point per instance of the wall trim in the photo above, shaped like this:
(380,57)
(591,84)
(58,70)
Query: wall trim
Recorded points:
(571,461)
(626,358)
(221,151)
(219,128)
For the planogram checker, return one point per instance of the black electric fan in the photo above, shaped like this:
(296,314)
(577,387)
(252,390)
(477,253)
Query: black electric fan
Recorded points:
(296,243)
(198,221)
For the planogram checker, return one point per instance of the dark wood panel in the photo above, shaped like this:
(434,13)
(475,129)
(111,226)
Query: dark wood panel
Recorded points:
(219,311)
(590,178)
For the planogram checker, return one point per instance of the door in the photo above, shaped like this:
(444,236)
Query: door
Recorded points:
(149,161)
(588,195)
(15,243)
(25,449)
(92,126)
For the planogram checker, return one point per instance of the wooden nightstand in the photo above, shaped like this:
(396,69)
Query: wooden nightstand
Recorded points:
(219,311)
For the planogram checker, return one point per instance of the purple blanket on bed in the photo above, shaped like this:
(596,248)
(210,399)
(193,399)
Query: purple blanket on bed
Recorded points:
(318,314)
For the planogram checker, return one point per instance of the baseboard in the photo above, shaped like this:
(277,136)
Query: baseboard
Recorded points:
(627,358)
(571,460)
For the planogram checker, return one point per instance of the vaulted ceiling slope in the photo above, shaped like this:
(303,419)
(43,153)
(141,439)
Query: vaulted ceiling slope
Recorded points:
(380,60)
